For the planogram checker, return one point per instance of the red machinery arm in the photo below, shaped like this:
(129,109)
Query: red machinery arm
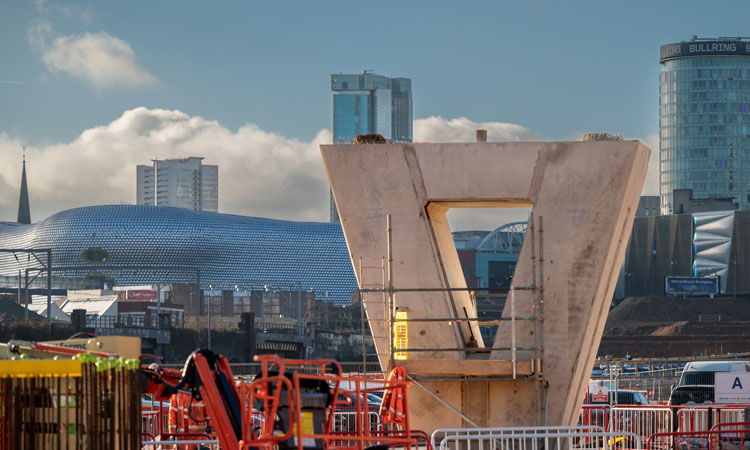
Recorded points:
(207,377)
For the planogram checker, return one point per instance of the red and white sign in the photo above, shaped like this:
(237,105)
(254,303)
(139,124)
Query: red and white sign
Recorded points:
(142,295)
(599,391)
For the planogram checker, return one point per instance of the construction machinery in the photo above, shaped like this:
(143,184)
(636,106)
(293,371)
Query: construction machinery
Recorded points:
(290,404)
(283,408)
(104,346)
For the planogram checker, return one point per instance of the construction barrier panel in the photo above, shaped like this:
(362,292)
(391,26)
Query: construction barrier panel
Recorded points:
(84,404)
(524,439)
(463,437)
(595,415)
(664,421)
(699,440)
(155,419)
(703,418)
(642,421)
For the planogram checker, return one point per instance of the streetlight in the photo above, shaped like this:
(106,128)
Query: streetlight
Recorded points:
(608,358)
(211,291)
(617,365)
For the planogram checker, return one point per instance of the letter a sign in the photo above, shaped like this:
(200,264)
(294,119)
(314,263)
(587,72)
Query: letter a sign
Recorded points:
(732,387)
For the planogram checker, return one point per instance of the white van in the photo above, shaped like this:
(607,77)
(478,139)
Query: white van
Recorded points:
(697,382)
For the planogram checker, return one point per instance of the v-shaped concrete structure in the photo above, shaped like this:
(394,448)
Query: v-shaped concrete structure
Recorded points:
(585,192)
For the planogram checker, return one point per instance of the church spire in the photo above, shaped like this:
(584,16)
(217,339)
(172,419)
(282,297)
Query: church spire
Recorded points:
(24,211)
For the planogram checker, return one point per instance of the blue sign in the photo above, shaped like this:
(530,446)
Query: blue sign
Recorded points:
(692,285)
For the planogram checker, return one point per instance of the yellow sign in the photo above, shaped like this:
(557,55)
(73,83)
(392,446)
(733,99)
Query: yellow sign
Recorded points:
(308,428)
(401,336)
(306,421)
(44,368)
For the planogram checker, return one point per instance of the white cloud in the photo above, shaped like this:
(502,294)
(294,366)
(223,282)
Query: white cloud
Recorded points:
(260,173)
(438,129)
(99,59)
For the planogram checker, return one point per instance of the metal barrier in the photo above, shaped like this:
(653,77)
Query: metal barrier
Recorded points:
(663,421)
(541,440)
(595,415)
(154,418)
(442,433)
(346,421)
(181,444)
(252,369)
(642,421)
(731,426)
(698,440)
(703,418)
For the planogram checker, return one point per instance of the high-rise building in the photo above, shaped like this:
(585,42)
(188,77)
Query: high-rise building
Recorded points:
(370,104)
(183,183)
(704,112)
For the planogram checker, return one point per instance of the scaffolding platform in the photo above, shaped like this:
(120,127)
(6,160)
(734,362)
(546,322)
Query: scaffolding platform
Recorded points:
(466,367)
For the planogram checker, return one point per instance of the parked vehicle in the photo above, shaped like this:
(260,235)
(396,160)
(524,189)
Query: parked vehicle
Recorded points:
(698,380)
(624,397)
(348,400)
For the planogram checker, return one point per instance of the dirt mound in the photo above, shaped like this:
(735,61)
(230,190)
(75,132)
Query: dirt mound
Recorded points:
(669,330)
(677,309)
(651,327)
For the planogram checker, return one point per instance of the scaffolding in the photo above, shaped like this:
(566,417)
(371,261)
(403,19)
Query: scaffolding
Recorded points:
(391,350)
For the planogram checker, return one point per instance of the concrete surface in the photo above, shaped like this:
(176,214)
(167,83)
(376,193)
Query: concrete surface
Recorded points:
(585,192)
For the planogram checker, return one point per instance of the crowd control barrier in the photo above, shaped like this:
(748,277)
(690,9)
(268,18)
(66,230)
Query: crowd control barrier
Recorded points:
(469,434)
(521,439)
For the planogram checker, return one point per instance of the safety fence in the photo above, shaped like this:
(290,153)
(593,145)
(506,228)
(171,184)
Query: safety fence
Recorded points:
(532,438)
(701,418)
(182,441)
(722,437)
(155,425)
(86,404)
(154,419)
(628,426)
(671,426)
(349,368)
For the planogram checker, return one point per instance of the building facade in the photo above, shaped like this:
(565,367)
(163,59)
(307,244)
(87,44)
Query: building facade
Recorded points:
(183,183)
(704,112)
(701,244)
(367,103)
(370,104)
(136,245)
(684,203)
(648,205)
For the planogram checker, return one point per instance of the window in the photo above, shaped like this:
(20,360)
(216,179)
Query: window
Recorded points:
(95,255)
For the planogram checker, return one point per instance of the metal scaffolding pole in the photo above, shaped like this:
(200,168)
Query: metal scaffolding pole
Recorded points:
(47,267)
(49,293)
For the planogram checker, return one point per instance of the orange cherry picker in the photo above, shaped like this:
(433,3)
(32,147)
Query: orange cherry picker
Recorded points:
(284,408)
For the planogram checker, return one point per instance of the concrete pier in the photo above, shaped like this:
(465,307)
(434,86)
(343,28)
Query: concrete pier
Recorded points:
(584,193)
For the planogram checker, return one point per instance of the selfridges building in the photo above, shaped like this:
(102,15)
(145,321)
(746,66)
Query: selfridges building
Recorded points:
(141,244)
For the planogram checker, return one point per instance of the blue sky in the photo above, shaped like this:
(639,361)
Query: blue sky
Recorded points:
(558,69)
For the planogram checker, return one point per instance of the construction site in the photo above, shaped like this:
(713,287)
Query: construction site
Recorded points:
(438,381)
